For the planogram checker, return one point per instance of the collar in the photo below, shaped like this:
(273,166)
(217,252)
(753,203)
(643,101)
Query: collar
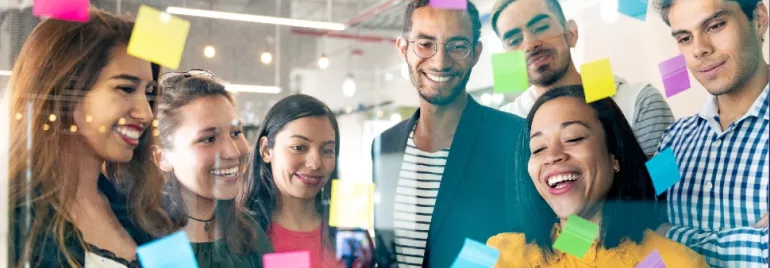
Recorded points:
(758,109)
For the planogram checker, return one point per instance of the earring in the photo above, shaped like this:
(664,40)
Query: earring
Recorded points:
(617,169)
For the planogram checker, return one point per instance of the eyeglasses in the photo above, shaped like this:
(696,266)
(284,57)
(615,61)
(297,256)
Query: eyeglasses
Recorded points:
(173,77)
(425,48)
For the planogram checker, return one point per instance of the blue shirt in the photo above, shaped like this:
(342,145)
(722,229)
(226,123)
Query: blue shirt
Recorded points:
(724,185)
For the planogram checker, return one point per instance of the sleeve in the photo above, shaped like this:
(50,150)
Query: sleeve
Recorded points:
(733,247)
(652,116)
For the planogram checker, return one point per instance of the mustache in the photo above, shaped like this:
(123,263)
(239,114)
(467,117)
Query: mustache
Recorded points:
(537,53)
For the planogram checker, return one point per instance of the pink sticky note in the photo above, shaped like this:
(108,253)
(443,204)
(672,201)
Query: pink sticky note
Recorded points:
(652,261)
(69,10)
(297,259)
(450,4)
(674,74)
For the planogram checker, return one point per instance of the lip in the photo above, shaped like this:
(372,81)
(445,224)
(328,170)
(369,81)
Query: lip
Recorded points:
(712,69)
(232,179)
(539,58)
(451,76)
(309,180)
(560,191)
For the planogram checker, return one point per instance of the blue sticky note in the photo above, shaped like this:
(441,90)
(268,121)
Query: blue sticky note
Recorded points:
(476,255)
(169,252)
(652,261)
(633,8)
(664,170)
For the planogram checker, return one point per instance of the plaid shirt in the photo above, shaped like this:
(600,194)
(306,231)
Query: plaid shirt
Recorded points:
(724,185)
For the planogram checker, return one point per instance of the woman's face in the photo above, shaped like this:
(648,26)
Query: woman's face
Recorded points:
(115,112)
(303,156)
(570,165)
(209,150)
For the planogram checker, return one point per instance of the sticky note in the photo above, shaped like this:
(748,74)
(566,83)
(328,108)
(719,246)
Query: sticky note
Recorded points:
(158,37)
(69,10)
(449,4)
(652,261)
(297,259)
(663,170)
(476,255)
(633,8)
(598,81)
(577,236)
(169,252)
(509,71)
(351,204)
(674,74)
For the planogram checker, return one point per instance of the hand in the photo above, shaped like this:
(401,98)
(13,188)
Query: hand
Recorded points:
(762,223)
(663,229)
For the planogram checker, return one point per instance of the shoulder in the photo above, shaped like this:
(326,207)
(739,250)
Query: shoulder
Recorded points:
(499,118)
(395,131)
(514,250)
(686,124)
(673,254)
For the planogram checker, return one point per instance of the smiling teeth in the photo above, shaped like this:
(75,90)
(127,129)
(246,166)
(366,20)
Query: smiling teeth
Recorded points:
(439,78)
(128,132)
(552,181)
(226,172)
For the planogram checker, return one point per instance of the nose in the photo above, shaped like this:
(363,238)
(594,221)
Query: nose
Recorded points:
(230,150)
(441,62)
(555,154)
(313,160)
(703,46)
(140,108)
(531,42)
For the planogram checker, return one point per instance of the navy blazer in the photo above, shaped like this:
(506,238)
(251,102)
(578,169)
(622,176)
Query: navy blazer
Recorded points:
(489,153)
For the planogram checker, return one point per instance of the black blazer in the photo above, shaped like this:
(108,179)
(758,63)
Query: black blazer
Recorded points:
(488,155)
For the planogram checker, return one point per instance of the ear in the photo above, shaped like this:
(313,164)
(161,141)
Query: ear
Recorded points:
(264,151)
(477,52)
(160,158)
(761,19)
(402,44)
(572,33)
(615,163)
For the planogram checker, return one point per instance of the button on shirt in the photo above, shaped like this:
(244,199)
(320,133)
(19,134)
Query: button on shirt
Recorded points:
(724,185)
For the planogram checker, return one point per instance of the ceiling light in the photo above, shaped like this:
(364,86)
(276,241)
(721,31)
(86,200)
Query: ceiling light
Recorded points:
(253,89)
(323,62)
(255,18)
(395,117)
(388,77)
(5,73)
(349,86)
(209,52)
(266,57)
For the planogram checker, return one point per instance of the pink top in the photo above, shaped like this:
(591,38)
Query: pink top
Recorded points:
(285,240)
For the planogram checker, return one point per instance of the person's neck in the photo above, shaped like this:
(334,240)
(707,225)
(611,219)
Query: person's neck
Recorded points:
(572,77)
(296,214)
(88,169)
(734,104)
(593,215)
(437,125)
(202,209)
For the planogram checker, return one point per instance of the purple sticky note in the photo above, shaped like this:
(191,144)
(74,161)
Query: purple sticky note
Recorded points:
(297,259)
(449,4)
(675,77)
(69,10)
(652,261)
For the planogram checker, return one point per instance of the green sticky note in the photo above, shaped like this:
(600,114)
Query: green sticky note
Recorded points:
(598,81)
(509,70)
(576,236)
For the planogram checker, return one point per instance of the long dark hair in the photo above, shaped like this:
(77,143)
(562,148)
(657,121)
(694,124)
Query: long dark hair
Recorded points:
(630,206)
(179,89)
(265,193)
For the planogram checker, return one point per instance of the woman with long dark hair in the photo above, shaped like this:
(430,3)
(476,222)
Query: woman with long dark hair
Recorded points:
(81,105)
(585,161)
(202,151)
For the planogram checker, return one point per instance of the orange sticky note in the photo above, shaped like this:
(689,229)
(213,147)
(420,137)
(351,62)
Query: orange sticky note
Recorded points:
(598,81)
(158,37)
(351,204)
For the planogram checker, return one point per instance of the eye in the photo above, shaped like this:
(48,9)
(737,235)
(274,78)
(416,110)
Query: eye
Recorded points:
(208,140)
(574,140)
(542,28)
(126,89)
(329,151)
(536,151)
(684,39)
(237,133)
(515,42)
(716,27)
(298,148)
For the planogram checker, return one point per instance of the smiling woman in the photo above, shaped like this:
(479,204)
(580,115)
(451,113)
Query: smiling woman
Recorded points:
(585,161)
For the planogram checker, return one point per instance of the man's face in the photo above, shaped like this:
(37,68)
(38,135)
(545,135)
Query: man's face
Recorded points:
(531,26)
(720,45)
(443,76)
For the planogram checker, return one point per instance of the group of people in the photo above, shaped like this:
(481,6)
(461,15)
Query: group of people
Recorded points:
(108,154)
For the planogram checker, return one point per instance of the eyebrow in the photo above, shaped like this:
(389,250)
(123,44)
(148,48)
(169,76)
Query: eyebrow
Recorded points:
(533,21)
(704,22)
(563,125)
(308,140)
(433,38)
(131,78)
(210,129)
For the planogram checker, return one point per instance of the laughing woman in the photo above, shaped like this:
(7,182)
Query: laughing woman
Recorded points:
(586,161)
(203,152)
(81,104)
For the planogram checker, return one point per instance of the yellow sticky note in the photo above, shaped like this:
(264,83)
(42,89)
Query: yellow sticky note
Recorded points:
(351,205)
(158,37)
(598,81)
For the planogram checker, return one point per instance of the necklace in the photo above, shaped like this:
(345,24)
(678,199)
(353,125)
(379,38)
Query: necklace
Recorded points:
(205,222)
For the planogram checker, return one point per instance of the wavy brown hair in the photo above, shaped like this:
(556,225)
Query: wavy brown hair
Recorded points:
(180,89)
(59,62)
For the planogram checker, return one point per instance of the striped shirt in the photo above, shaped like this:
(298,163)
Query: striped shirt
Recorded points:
(724,185)
(418,185)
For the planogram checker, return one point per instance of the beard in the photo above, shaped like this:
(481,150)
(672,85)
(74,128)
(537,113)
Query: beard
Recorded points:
(438,99)
(549,77)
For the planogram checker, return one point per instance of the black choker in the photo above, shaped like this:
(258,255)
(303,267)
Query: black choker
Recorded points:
(205,222)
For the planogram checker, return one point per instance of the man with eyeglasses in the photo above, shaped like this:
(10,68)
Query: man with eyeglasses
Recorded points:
(442,174)
(540,29)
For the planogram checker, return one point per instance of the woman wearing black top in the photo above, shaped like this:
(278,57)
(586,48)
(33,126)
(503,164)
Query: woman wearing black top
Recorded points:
(80,105)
